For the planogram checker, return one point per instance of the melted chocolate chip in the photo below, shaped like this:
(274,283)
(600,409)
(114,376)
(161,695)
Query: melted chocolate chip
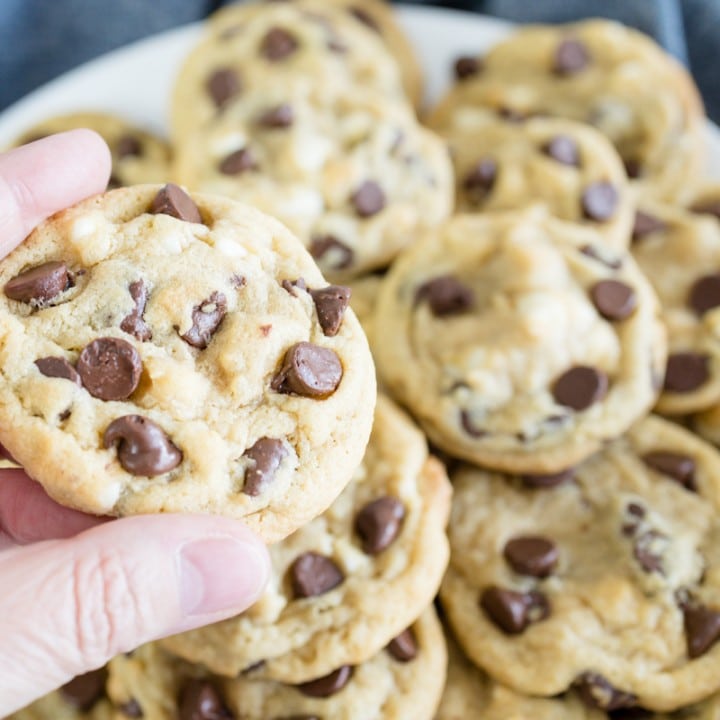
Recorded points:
(278,117)
(199,700)
(267,454)
(308,370)
(680,468)
(469,426)
(686,372)
(292,285)
(702,628)
(223,85)
(646,552)
(368,199)
(39,284)
(174,201)
(445,295)
(143,448)
(646,224)
(614,300)
(134,324)
(331,303)
(110,368)
(478,183)
(580,387)
(238,162)
(131,709)
(549,481)
(600,201)
(705,294)
(361,14)
(467,67)
(85,690)
(404,647)
(563,149)
(278,44)
(128,146)
(329,684)
(532,555)
(207,318)
(707,207)
(513,611)
(331,252)
(596,692)
(312,574)
(378,524)
(592,252)
(57,367)
(571,56)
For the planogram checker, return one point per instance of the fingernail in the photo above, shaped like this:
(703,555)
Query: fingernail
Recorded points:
(221,575)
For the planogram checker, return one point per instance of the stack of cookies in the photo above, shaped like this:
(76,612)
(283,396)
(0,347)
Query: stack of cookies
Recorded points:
(531,336)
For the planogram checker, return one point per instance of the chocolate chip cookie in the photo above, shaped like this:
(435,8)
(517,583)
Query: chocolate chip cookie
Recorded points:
(596,72)
(137,155)
(679,251)
(502,164)
(168,353)
(603,578)
(352,579)
(518,341)
(402,681)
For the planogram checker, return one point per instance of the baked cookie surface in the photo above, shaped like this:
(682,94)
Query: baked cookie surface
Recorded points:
(160,353)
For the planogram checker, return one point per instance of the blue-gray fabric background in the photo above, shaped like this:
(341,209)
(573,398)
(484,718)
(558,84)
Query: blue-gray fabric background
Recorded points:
(39,39)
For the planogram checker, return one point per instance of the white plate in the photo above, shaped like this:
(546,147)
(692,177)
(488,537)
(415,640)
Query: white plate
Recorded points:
(135,81)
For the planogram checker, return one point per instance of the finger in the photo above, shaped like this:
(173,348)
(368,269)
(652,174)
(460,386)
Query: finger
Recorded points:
(46,176)
(28,515)
(76,603)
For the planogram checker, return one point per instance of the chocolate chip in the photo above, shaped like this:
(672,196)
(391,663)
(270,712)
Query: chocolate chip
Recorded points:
(329,684)
(532,555)
(174,201)
(636,513)
(281,116)
(131,709)
(680,468)
(571,56)
(110,368)
(292,285)
(223,85)
(134,324)
(404,647)
(596,692)
(580,387)
(599,201)
(702,628)
(57,367)
(331,252)
(143,448)
(480,180)
(445,295)
(266,454)
(645,224)
(39,284)
(379,523)
(238,162)
(686,371)
(549,481)
(467,67)
(308,370)
(207,318)
(85,690)
(368,199)
(614,300)
(707,207)
(469,426)
(312,574)
(199,700)
(563,149)
(646,551)
(364,17)
(513,611)
(278,44)
(592,252)
(331,303)
(512,115)
(128,146)
(636,713)
(705,293)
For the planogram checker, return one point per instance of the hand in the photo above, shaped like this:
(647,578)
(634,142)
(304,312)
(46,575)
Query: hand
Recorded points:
(76,590)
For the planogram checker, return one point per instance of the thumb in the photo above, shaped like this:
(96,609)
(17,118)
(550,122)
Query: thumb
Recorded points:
(68,606)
